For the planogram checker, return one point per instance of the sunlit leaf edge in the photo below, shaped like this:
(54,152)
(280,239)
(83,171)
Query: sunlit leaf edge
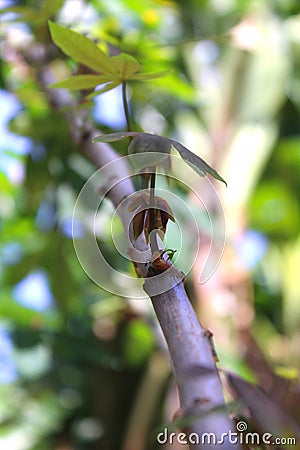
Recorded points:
(114,137)
(106,88)
(80,82)
(81,49)
(149,75)
(194,160)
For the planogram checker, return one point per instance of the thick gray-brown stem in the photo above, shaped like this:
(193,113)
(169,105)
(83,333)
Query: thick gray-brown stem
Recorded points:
(197,377)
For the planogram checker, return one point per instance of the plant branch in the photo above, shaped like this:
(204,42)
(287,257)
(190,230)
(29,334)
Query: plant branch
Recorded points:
(199,385)
(197,377)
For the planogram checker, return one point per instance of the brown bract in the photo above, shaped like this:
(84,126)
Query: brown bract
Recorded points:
(143,208)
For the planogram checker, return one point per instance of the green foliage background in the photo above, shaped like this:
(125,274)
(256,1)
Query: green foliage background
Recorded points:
(80,366)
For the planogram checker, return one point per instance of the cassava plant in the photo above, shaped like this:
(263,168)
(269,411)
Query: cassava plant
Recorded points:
(239,121)
(201,397)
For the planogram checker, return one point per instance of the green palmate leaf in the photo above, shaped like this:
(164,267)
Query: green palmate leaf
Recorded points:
(106,88)
(149,75)
(114,137)
(146,161)
(176,87)
(125,65)
(82,49)
(153,150)
(115,69)
(81,82)
(146,143)
(196,163)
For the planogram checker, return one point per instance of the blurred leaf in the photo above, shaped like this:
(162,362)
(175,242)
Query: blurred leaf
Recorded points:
(52,6)
(82,49)
(116,68)
(289,269)
(175,87)
(234,364)
(49,127)
(106,88)
(7,407)
(113,137)
(30,94)
(125,65)
(39,416)
(81,82)
(266,414)
(6,184)
(26,14)
(107,306)
(291,373)
(286,159)
(146,142)
(149,75)
(138,342)
(34,15)
(26,317)
(33,362)
(196,163)
(274,210)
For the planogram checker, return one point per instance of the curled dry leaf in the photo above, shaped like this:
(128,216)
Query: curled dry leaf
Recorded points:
(141,221)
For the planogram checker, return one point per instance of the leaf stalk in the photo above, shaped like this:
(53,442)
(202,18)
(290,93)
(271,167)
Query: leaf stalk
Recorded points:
(152,214)
(125,105)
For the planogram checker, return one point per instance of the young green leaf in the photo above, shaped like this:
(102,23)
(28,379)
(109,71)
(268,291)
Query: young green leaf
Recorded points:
(149,75)
(145,161)
(153,150)
(146,142)
(114,70)
(150,143)
(80,82)
(125,65)
(82,49)
(114,137)
(196,163)
(106,88)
